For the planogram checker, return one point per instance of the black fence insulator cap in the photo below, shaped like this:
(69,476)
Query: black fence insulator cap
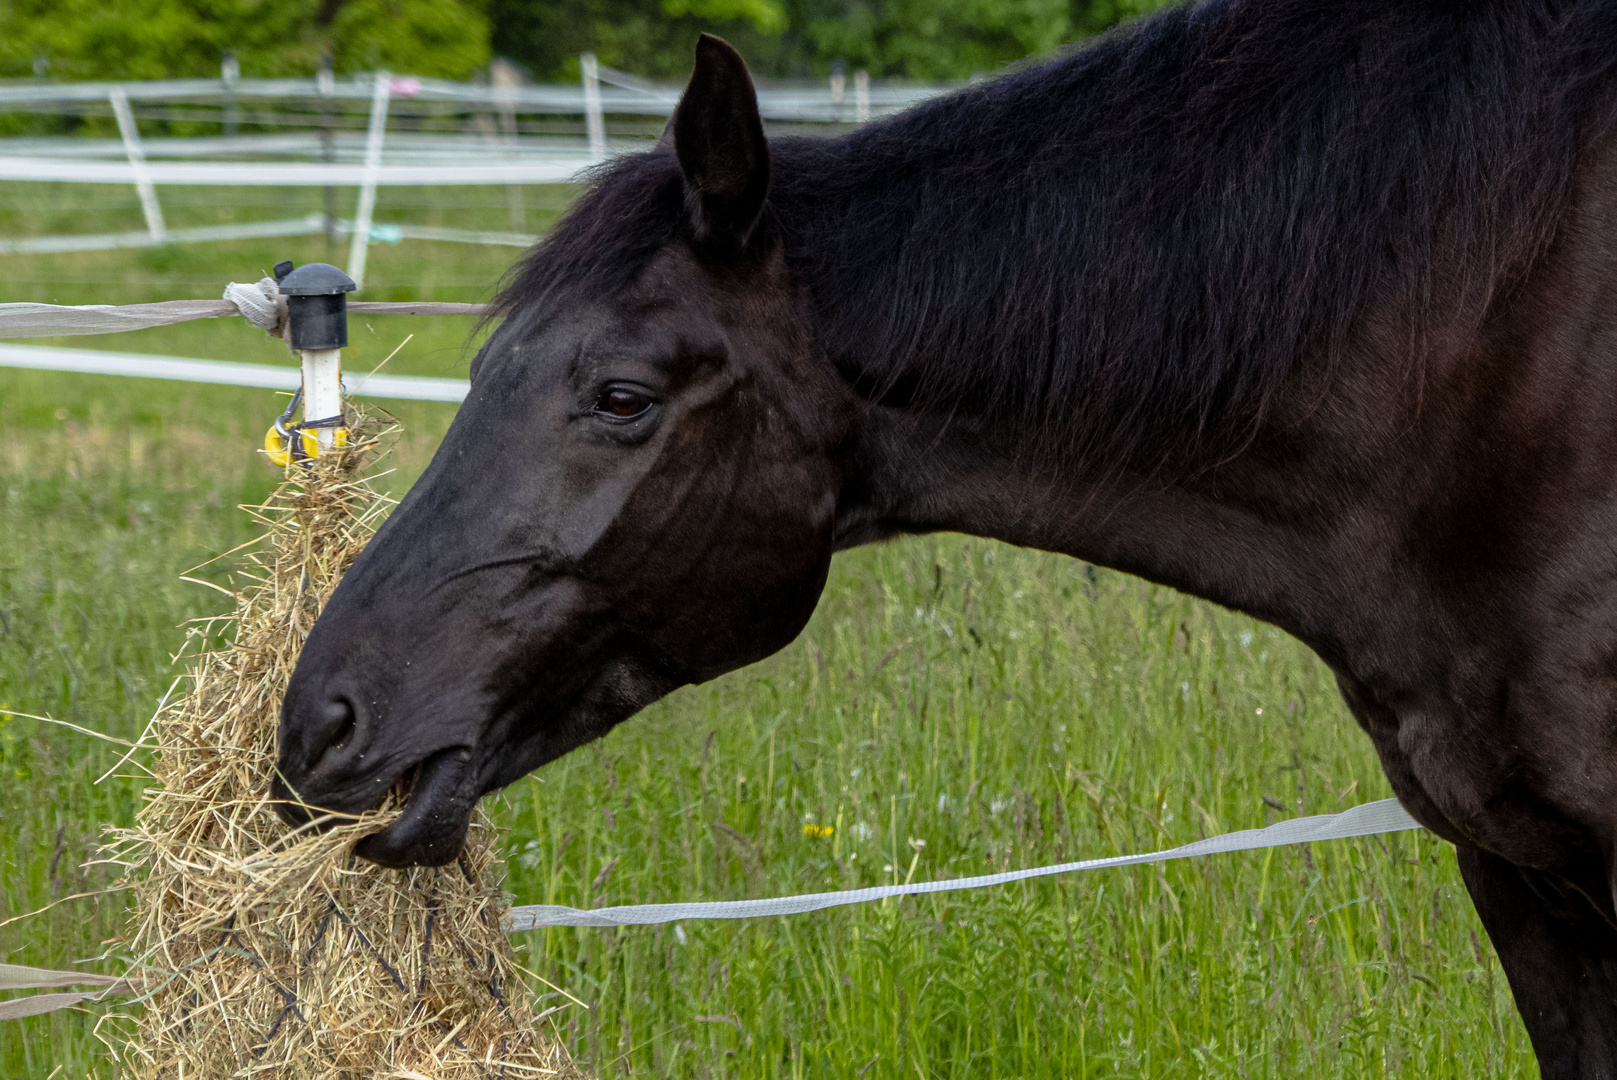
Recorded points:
(316,304)
(313,279)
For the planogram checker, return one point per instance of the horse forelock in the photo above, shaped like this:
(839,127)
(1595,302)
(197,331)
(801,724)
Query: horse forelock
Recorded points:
(630,210)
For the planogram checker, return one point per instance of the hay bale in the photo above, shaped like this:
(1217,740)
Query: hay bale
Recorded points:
(275,952)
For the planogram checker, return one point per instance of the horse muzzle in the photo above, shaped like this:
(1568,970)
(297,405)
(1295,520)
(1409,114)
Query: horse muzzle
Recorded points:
(440,794)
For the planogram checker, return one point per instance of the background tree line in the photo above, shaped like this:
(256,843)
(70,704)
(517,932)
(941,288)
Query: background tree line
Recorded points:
(916,39)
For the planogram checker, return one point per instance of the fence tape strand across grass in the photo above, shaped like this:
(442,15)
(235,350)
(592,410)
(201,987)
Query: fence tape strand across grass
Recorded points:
(1368,819)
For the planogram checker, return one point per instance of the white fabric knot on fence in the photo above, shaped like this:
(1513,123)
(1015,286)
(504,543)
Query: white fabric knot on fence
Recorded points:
(261,304)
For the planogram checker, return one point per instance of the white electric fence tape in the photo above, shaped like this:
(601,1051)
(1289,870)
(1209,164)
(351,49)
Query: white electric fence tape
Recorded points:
(17,977)
(223,372)
(56,320)
(561,168)
(1367,820)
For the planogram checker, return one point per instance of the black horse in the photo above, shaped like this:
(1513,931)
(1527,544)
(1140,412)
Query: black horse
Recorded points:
(1308,307)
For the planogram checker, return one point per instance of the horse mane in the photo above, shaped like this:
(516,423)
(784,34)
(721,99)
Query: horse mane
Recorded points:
(1135,247)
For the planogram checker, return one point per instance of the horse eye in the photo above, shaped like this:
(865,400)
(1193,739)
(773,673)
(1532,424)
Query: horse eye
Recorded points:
(621,403)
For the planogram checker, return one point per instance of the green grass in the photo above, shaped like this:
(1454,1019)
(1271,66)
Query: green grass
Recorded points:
(956,706)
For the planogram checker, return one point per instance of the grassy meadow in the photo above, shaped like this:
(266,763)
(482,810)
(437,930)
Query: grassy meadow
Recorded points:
(955,707)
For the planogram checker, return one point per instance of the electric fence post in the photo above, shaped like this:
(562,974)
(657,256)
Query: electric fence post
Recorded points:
(317,317)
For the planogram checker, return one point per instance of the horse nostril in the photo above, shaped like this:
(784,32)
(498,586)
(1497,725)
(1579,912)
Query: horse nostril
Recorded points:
(342,712)
(339,721)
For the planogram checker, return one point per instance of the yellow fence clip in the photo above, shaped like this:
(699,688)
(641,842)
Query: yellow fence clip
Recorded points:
(285,443)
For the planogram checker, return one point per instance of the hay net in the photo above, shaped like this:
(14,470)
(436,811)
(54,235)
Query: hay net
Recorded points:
(273,952)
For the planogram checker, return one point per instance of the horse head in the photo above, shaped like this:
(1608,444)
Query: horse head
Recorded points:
(639,493)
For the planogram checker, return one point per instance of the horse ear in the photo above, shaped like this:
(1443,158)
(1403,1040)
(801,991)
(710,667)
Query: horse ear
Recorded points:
(719,138)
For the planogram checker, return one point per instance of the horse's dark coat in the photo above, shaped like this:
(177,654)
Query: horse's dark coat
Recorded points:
(1306,308)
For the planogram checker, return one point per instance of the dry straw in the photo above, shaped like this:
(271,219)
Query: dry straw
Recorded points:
(273,952)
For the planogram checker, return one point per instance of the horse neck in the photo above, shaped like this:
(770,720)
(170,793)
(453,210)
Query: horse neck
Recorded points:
(1385,519)
(1306,525)
(1240,531)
